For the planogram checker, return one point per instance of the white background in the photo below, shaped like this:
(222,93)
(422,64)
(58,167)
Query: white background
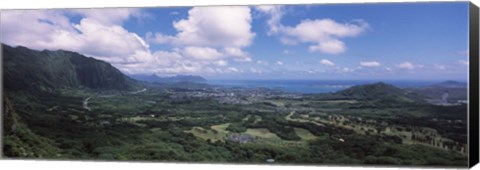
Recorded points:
(82,165)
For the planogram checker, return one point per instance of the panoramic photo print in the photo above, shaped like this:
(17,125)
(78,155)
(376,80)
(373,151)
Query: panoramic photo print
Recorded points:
(317,84)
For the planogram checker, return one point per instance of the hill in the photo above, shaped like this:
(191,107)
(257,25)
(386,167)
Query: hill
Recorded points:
(451,84)
(455,90)
(27,69)
(380,93)
(174,79)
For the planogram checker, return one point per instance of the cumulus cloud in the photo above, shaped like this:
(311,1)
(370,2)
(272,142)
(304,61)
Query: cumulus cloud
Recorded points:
(406,65)
(327,62)
(159,38)
(237,54)
(330,47)
(215,26)
(94,35)
(323,34)
(370,64)
(109,16)
(276,13)
(36,29)
(279,63)
(205,39)
(212,27)
(215,34)
(325,29)
(202,53)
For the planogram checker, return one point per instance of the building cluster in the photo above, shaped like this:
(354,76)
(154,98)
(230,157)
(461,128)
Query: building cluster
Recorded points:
(231,95)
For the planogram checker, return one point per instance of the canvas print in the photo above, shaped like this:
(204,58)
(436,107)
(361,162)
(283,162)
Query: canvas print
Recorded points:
(311,84)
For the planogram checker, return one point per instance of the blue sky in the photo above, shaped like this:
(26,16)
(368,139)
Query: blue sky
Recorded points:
(344,41)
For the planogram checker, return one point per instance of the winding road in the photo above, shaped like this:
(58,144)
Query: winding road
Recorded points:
(136,92)
(85,104)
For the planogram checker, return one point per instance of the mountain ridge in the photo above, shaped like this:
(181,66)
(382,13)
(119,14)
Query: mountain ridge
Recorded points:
(27,69)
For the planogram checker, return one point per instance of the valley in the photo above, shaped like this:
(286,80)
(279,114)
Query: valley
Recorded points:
(105,115)
(114,124)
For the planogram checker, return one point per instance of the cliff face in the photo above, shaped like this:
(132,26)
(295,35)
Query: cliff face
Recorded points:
(26,69)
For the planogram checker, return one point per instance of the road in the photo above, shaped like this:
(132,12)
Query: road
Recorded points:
(85,104)
(136,92)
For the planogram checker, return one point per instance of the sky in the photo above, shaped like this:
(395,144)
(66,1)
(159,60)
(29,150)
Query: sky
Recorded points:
(427,41)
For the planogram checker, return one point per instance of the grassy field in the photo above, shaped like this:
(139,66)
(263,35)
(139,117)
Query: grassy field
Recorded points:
(262,133)
(206,134)
(305,134)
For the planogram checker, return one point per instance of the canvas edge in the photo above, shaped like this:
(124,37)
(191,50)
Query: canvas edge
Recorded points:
(473,112)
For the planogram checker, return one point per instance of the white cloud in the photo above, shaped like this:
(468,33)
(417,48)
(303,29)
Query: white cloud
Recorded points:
(212,26)
(159,38)
(233,70)
(463,62)
(327,62)
(325,29)
(276,13)
(205,39)
(329,47)
(440,67)
(406,65)
(109,16)
(325,34)
(279,63)
(202,53)
(261,62)
(237,54)
(288,41)
(94,35)
(99,40)
(99,34)
(211,34)
(370,64)
(221,63)
(36,29)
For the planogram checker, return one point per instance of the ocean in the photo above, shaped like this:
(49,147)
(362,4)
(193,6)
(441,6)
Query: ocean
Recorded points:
(316,86)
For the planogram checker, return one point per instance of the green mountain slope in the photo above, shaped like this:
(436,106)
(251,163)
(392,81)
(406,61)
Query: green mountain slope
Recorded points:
(380,93)
(456,91)
(19,140)
(26,69)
